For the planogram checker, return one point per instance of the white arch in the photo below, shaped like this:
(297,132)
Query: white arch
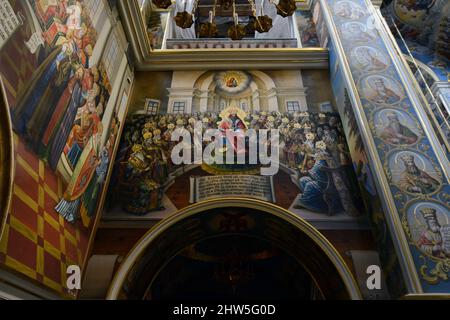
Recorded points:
(268,81)
(268,89)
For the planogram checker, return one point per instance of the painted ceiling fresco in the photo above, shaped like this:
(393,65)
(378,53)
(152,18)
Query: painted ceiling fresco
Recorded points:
(58,89)
(425,25)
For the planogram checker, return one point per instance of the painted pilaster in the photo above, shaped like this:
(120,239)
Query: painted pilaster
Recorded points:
(410,168)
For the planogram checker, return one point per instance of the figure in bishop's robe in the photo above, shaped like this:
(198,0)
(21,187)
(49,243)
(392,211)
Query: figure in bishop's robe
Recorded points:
(73,98)
(431,240)
(397,133)
(232,128)
(415,180)
(34,109)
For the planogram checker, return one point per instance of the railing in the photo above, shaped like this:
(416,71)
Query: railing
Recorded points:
(437,108)
(230,44)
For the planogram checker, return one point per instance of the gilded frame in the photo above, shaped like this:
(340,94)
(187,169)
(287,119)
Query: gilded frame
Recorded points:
(302,225)
(6,158)
(147,59)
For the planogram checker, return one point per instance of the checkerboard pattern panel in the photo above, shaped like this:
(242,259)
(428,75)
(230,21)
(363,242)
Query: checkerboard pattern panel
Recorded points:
(37,241)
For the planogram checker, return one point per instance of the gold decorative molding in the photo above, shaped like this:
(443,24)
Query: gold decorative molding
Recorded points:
(301,225)
(147,59)
(6,158)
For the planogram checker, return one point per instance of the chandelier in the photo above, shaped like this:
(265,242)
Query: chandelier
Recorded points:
(261,23)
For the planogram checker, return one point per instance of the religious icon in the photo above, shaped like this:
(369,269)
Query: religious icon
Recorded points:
(232,124)
(429,226)
(396,127)
(414,173)
(383,90)
(232,82)
(356,33)
(369,59)
(349,10)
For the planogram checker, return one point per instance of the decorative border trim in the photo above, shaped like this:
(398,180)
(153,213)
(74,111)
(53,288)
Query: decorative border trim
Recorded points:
(147,59)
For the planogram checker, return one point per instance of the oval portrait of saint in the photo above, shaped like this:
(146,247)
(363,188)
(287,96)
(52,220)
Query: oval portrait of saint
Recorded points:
(357,33)
(369,59)
(396,127)
(429,226)
(382,90)
(349,10)
(414,173)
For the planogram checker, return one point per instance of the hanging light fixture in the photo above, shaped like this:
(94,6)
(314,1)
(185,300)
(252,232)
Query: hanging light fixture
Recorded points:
(185,19)
(237,31)
(285,8)
(209,29)
(162,4)
(226,4)
(262,23)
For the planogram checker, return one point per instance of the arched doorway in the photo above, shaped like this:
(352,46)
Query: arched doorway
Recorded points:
(233,248)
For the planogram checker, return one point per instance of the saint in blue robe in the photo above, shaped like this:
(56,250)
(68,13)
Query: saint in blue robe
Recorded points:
(313,187)
(34,109)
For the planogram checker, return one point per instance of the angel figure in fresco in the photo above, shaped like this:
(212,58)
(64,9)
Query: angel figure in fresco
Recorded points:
(232,125)
(415,180)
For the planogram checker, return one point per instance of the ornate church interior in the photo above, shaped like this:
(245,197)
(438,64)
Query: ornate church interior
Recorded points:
(168,150)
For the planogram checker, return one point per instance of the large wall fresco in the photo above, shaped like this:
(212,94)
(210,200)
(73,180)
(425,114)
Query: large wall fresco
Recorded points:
(425,23)
(417,181)
(315,178)
(57,77)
